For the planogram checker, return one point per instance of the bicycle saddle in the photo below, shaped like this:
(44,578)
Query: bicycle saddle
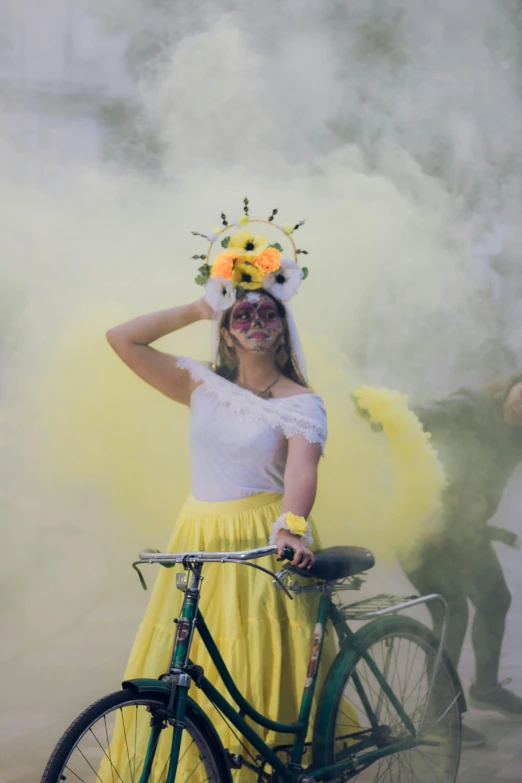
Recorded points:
(337,562)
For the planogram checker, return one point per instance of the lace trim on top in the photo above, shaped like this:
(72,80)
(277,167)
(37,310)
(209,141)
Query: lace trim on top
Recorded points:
(301,414)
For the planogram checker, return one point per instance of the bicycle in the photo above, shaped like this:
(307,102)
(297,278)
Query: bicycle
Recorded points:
(389,709)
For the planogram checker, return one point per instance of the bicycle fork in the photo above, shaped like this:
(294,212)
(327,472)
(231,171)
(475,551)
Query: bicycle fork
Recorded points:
(179,680)
(175,717)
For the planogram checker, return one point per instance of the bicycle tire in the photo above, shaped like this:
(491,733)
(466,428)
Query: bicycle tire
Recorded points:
(341,712)
(58,768)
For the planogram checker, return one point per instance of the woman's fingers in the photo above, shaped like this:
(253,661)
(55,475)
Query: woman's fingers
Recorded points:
(304,558)
(301,557)
(296,559)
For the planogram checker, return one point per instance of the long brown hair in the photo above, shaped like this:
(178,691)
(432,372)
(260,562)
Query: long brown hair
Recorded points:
(285,356)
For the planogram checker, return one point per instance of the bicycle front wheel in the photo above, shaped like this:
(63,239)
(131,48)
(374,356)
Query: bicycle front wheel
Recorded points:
(110,740)
(355,717)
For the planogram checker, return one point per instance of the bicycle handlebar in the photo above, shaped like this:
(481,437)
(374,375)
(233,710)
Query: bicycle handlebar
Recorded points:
(169,559)
(153,556)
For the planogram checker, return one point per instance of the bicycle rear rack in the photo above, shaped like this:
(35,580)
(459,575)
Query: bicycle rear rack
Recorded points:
(378,605)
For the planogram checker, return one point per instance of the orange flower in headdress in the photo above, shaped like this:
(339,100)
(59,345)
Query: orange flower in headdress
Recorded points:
(268,260)
(223,265)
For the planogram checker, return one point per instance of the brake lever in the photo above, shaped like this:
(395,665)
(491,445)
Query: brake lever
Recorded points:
(144,562)
(142,579)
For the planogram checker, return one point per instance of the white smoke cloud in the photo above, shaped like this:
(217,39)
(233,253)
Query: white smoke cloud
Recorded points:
(394,130)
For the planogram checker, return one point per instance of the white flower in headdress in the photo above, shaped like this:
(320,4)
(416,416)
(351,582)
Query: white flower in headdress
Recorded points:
(285,281)
(220,293)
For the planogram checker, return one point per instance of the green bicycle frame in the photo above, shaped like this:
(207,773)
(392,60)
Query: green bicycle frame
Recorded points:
(181,675)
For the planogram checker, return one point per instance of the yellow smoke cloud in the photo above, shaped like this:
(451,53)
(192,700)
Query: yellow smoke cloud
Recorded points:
(106,427)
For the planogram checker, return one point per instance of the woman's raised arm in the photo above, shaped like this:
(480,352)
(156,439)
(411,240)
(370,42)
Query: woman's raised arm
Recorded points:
(131,341)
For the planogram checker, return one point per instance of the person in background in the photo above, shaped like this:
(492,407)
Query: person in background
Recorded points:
(478,435)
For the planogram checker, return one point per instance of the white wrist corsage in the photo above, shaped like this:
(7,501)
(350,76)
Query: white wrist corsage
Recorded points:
(295,524)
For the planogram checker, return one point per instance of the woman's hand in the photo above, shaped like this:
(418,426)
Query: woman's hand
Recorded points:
(303,557)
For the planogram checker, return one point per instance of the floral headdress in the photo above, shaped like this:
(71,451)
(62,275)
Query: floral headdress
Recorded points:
(248,262)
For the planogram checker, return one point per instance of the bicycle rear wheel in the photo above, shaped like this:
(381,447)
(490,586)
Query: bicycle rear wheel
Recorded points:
(108,743)
(405,652)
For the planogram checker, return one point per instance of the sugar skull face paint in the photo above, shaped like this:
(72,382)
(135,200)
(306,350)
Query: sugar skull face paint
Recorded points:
(258,317)
(256,324)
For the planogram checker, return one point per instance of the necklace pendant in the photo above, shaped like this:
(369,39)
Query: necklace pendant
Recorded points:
(264,394)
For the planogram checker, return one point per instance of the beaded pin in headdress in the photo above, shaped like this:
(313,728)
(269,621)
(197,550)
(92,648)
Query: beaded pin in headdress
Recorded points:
(248,262)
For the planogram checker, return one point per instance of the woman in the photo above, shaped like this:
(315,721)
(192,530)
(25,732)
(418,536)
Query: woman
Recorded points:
(479,438)
(257,435)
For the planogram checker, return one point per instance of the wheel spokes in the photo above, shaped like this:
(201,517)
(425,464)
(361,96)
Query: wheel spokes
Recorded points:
(407,664)
(115,748)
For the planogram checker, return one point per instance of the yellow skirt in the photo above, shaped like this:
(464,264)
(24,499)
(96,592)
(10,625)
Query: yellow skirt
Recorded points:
(263,636)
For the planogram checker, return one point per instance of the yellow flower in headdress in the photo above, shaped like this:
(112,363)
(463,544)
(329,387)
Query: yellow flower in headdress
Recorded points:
(247,276)
(248,244)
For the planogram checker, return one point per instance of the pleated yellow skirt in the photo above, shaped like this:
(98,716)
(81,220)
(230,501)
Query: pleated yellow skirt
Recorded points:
(263,636)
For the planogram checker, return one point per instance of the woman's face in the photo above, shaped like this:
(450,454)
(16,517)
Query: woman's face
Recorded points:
(512,409)
(255,324)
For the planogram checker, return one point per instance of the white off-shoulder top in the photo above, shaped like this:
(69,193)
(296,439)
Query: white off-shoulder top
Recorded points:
(238,441)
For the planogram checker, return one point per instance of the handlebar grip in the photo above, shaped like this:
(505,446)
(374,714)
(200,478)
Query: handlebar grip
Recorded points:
(156,552)
(288,553)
